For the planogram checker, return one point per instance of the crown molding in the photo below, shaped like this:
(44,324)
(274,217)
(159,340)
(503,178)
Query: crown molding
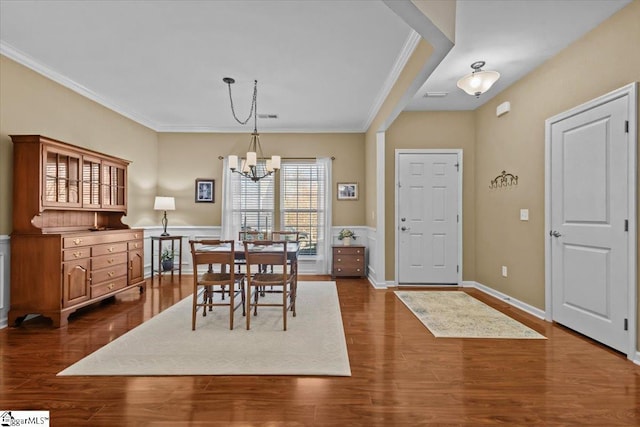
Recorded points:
(407,50)
(209,129)
(27,61)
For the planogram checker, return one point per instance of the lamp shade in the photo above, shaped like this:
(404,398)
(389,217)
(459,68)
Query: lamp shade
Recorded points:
(478,82)
(164,204)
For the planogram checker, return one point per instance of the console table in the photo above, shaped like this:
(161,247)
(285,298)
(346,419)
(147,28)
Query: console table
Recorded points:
(177,251)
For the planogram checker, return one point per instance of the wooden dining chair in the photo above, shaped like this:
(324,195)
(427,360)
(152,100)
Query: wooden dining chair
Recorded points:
(284,281)
(220,277)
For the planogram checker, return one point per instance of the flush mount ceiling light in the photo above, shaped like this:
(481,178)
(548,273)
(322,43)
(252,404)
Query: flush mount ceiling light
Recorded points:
(254,165)
(478,82)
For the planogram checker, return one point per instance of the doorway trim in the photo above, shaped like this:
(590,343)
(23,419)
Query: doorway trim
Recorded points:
(630,91)
(396,224)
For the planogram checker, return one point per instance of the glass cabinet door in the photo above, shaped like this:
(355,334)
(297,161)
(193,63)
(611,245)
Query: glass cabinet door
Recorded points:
(114,178)
(91,182)
(61,178)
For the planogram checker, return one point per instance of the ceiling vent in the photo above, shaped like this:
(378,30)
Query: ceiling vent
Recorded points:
(435,94)
(267,116)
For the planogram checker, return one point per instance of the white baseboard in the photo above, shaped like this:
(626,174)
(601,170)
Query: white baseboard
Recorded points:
(4,280)
(636,358)
(534,311)
(376,284)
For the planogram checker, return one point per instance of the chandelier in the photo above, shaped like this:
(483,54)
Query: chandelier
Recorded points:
(254,166)
(478,82)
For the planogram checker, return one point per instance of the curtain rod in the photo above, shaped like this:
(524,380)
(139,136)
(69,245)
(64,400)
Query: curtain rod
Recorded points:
(290,158)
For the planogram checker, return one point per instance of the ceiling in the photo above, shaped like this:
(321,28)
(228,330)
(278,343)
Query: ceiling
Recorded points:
(321,66)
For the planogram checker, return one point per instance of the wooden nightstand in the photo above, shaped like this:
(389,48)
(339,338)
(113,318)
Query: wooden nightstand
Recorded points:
(348,261)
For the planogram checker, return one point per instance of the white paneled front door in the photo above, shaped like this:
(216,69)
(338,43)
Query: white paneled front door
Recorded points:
(428,201)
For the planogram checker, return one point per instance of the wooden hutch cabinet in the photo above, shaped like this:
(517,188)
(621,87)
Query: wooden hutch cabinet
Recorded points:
(69,247)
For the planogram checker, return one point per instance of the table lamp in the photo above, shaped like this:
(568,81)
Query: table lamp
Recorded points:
(164,204)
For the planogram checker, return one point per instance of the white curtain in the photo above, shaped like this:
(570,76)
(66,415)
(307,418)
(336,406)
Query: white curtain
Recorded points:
(231,220)
(324,246)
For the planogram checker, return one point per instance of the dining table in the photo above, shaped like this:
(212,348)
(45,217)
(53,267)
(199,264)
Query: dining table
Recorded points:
(293,252)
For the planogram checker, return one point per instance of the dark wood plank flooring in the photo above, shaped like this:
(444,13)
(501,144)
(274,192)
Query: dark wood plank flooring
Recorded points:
(401,374)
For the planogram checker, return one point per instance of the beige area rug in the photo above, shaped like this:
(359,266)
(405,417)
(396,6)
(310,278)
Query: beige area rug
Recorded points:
(313,343)
(453,314)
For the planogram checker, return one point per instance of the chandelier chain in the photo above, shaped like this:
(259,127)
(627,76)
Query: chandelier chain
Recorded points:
(253,104)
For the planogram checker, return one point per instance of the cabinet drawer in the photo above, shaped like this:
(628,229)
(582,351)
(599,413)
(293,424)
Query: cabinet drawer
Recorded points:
(348,260)
(77,241)
(110,286)
(100,237)
(346,250)
(108,274)
(71,254)
(110,260)
(348,271)
(107,249)
(135,245)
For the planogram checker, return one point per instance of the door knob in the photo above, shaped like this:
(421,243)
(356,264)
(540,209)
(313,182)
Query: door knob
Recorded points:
(554,233)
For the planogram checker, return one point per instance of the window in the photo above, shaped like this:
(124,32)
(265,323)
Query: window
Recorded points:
(298,197)
(253,202)
(302,203)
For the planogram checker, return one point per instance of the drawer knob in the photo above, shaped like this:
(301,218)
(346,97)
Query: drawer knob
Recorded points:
(110,249)
(111,285)
(135,245)
(110,274)
(339,251)
(135,236)
(357,269)
(358,259)
(77,254)
(339,259)
(77,241)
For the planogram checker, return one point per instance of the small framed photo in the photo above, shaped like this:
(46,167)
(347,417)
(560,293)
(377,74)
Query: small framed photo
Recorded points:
(205,190)
(347,191)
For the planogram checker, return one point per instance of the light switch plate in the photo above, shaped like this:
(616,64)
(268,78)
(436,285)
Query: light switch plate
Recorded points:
(524,214)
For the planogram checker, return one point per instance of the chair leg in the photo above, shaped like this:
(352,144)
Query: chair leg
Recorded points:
(193,309)
(294,294)
(248,308)
(242,293)
(205,300)
(232,305)
(255,302)
(284,307)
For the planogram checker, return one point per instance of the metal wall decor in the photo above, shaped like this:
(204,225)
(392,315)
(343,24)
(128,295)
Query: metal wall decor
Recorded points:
(504,180)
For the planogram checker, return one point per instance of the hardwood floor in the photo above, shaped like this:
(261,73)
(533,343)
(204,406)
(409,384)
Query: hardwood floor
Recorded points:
(401,374)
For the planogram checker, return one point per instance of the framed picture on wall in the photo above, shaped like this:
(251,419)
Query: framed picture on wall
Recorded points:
(205,190)
(347,191)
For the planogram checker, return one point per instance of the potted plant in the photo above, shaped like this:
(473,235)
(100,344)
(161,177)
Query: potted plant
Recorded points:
(167,259)
(346,236)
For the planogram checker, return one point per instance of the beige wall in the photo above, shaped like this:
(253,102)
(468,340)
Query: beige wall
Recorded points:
(603,60)
(429,130)
(33,104)
(184,157)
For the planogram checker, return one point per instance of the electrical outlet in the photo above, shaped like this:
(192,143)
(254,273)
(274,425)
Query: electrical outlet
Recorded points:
(524,214)
(504,271)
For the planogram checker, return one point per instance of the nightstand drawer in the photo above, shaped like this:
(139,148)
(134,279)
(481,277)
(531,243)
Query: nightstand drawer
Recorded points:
(348,271)
(348,250)
(348,261)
